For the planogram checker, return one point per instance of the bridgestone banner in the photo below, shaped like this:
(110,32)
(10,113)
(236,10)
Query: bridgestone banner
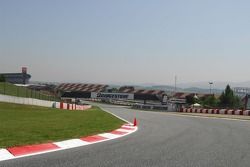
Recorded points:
(124,96)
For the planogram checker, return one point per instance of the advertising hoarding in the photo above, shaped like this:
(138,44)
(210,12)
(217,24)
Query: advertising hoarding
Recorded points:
(124,96)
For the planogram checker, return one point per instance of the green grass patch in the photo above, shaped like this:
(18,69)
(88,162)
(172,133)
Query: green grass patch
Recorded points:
(19,91)
(23,124)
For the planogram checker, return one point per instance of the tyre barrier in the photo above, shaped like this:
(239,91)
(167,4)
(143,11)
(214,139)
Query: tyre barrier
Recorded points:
(216,111)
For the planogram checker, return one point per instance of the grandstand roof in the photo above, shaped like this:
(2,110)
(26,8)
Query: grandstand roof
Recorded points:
(143,92)
(77,87)
(183,95)
(9,75)
(16,78)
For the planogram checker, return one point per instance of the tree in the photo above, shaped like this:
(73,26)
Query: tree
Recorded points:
(113,90)
(190,99)
(228,99)
(2,78)
(210,101)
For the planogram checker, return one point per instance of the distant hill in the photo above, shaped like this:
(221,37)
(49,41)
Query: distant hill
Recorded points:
(200,90)
(194,87)
(170,89)
(216,85)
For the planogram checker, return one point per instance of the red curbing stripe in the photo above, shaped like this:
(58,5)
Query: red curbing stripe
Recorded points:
(30,149)
(94,138)
(116,132)
(225,111)
(241,112)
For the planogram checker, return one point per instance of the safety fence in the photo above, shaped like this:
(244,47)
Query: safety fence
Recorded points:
(43,103)
(21,91)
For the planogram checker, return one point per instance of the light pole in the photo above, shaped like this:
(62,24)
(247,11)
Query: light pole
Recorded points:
(210,84)
(175,82)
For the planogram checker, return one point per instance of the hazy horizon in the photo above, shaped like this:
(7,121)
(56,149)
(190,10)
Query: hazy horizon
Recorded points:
(126,41)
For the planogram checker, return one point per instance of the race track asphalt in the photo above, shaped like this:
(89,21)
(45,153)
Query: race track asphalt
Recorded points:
(162,140)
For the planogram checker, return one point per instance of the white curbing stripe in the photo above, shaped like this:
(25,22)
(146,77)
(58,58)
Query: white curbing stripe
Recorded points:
(109,135)
(237,112)
(128,126)
(71,143)
(222,111)
(230,112)
(5,155)
(123,130)
(246,112)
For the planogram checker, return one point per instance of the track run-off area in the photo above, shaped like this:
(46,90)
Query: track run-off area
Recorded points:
(162,139)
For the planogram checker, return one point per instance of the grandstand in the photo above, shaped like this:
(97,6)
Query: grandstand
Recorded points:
(241,91)
(78,90)
(17,78)
(182,95)
(143,94)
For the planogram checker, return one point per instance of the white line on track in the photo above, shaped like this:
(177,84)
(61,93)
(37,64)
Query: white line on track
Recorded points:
(195,116)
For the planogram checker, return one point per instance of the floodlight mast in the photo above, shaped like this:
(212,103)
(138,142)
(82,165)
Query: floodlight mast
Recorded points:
(175,82)
(210,86)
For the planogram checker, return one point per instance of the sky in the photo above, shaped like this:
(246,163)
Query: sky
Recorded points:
(126,41)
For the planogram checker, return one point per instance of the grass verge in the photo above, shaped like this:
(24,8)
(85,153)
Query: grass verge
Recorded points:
(22,124)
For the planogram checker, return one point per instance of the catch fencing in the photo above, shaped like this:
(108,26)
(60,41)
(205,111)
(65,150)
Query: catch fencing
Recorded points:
(43,103)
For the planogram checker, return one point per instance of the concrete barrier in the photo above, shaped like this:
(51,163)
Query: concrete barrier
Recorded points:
(26,101)
(42,103)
